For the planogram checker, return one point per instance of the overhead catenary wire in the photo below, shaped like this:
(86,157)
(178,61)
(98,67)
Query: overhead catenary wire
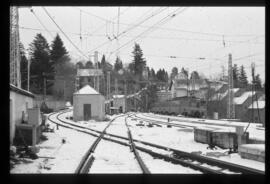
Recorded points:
(148,37)
(98,28)
(159,22)
(124,32)
(169,29)
(41,22)
(64,32)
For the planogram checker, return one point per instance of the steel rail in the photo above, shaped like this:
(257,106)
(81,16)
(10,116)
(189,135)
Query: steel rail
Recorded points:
(133,149)
(88,159)
(179,154)
(162,122)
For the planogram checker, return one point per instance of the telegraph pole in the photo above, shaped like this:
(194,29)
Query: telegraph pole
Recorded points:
(108,85)
(125,95)
(28,74)
(230,107)
(116,86)
(252,89)
(44,86)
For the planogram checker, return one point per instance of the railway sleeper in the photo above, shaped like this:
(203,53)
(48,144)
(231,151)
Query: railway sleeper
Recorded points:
(177,161)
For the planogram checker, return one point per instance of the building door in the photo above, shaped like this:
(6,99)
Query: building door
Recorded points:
(86,111)
(120,109)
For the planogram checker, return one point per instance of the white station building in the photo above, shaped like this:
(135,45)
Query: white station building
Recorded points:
(88,104)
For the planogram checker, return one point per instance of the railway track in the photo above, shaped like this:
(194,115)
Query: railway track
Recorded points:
(197,162)
(134,150)
(155,122)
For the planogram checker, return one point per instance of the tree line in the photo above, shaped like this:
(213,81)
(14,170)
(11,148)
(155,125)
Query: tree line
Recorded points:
(50,60)
(240,79)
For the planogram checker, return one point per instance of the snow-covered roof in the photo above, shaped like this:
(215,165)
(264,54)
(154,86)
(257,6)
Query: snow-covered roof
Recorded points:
(118,96)
(21,91)
(236,89)
(68,104)
(219,96)
(241,99)
(258,105)
(180,76)
(262,98)
(87,90)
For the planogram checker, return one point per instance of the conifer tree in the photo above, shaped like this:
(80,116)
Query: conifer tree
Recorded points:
(235,72)
(257,82)
(89,65)
(174,72)
(58,50)
(40,62)
(118,64)
(139,61)
(243,82)
(23,67)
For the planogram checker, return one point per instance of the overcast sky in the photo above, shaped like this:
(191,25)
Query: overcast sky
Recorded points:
(197,38)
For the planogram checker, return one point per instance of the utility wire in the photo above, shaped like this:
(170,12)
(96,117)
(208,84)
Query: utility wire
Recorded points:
(124,32)
(108,21)
(152,37)
(64,33)
(40,22)
(173,29)
(172,15)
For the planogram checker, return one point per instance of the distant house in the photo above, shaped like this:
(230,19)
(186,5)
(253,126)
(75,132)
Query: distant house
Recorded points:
(119,103)
(242,104)
(218,101)
(242,100)
(164,95)
(258,112)
(182,86)
(218,86)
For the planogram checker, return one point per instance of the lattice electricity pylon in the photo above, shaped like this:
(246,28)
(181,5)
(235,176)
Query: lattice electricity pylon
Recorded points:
(230,108)
(14,51)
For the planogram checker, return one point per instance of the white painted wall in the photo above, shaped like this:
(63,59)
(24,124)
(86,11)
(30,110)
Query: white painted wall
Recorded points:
(97,106)
(117,102)
(18,104)
(180,92)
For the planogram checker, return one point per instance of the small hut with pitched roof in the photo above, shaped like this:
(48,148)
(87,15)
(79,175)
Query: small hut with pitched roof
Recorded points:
(88,104)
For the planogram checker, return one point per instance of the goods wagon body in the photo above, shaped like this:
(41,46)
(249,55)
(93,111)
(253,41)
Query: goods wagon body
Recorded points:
(188,106)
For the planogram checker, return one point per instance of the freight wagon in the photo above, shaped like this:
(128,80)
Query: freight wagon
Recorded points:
(187,106)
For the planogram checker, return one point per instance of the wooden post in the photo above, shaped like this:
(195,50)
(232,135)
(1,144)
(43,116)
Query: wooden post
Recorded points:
(34,135)
(239,133)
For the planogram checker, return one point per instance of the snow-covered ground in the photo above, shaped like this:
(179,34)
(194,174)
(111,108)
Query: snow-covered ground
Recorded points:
(114,158)
(183,139)
(65,156)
